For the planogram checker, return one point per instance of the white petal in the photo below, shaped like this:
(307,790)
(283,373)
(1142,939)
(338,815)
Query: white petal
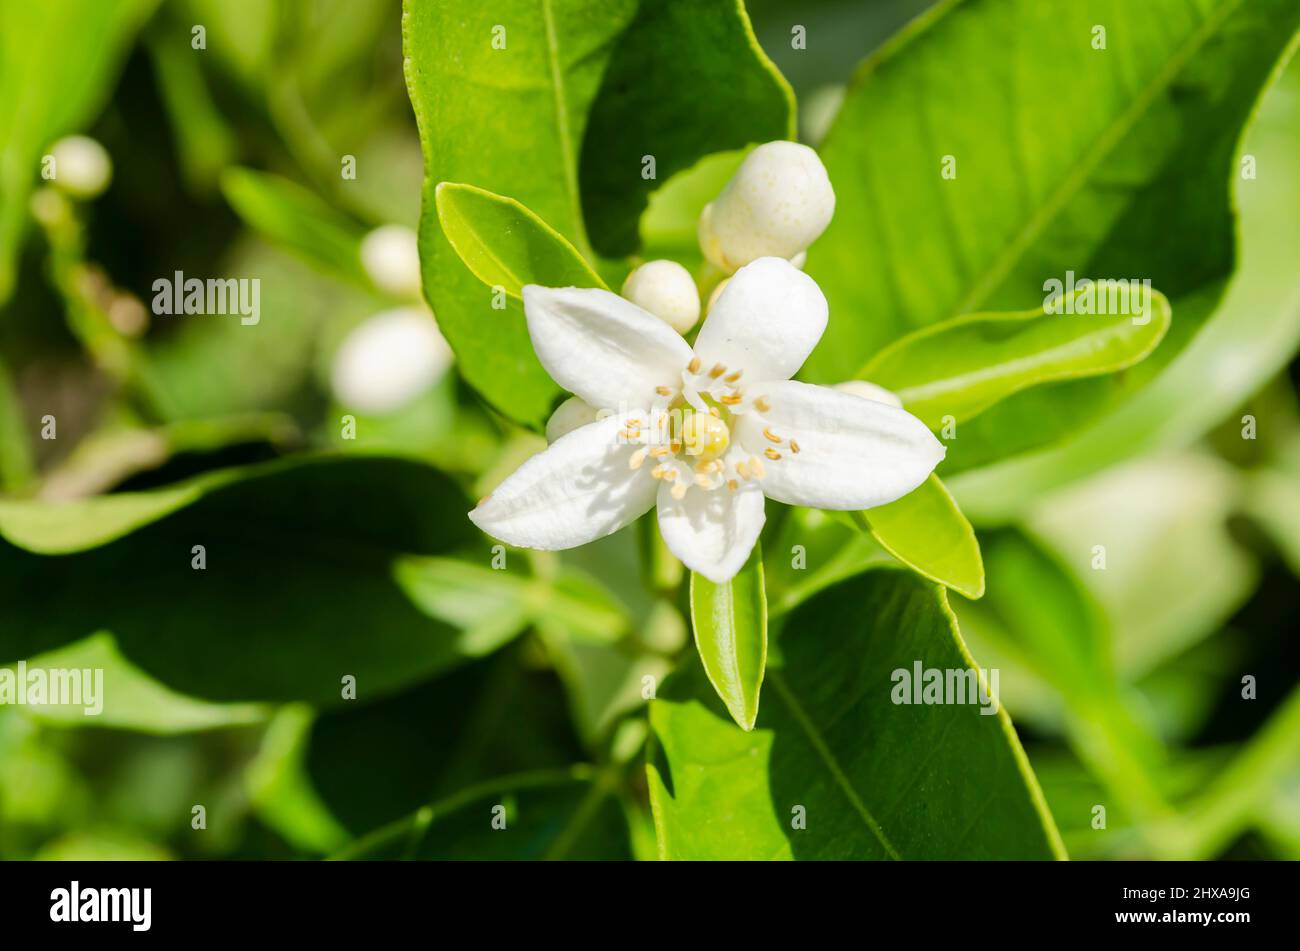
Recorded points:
(766,321)
(601,347)
(575,491)
(869,391)
(712,532)
(853,453)
(572,414)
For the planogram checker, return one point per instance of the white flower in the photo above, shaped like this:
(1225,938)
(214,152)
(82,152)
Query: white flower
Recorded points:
(869,391)
(389,360)
(668,291)
(82,167)
(391,256)
(703,433)
(777,204)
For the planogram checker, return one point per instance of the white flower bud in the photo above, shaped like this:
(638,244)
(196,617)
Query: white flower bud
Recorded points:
(389,360)
(391,256)
(82,167)
(778,203)
(869,391)
(667,290)
(568,416)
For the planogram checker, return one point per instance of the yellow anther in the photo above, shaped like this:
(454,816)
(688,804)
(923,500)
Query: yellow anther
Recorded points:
(658,472)
(794,446)
(733,377)
(756,464)
(679,491)
(771,453)
(670,475)
(762,405)
(693,366)
(731,399)
(663,390)
(717,371)
(659,451)
(771,436)
(742,470)
(713,411)
(637,458)
(731,484)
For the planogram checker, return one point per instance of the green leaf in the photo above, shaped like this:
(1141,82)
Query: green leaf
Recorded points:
(307,567)
(58,64)
(926,531)
(505,244)
(868,777)
(296,218)
(129,699)
(962,367)
(730,624)
(514,126)
(650,104)
(1109,163)
(1252,337)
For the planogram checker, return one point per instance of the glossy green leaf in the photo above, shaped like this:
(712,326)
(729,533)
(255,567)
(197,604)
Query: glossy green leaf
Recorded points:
(837,769)
(295,218)
(1252,337)
(253,624)
(1067,158)
(58,64)
(514,126)
(730,624)
(926,531)
(649,104)
(962,367)
(504,244)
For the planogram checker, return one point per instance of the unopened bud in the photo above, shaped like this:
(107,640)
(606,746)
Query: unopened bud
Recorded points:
(391,256)
(667,290)
(389,360)
(572,414)
(778,203)
(82,167)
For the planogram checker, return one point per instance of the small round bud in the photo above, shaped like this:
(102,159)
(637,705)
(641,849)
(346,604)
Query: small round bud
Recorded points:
(389,360)
(667,290)
(778,203)
(572,414)
(391,256)
(869,391)
(82,167)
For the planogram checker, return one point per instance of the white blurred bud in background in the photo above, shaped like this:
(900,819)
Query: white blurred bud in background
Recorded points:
(391,256)
(778,203)
(82,167)
(667,290)
(389,360)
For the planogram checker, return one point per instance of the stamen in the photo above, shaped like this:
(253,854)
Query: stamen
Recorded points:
(658,472)
(733,377)
(762,405)
(664,390)
(731,484)
(794,446)
(659,451)
(679,491)
(742,469)
(717,371)
(713,411)
(757,465)
(731,399)
(693,366)
(670,475)
(771,453)
(771,436)
(638,457)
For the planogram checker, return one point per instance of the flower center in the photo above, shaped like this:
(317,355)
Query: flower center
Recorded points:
(704,436)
